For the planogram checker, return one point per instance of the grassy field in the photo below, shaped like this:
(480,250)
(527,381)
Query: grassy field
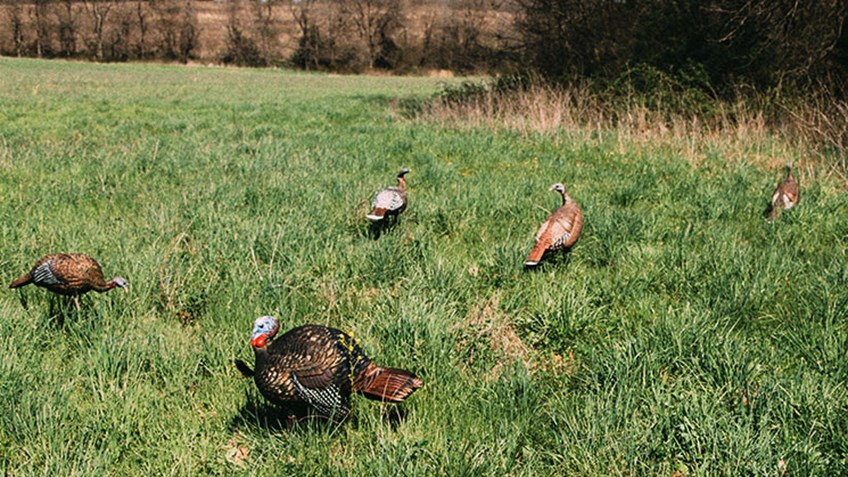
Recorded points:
(684,335)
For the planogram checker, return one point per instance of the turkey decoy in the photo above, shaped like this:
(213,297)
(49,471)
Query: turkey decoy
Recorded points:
(69,274)
(390,201)
(316,367)
(561,229)
(785,196)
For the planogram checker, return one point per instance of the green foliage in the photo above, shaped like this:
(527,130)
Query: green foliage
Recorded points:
(683,334)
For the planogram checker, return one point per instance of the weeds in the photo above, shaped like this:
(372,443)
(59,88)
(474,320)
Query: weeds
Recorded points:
(647,108)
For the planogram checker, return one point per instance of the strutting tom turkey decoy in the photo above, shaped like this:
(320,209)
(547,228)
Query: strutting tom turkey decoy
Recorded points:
(561,229)
(785,196)
(69,274)
(316,367)
(390,201)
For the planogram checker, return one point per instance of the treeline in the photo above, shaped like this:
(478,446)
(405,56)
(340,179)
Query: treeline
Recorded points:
(101,30)
(338,35)
(716,46)
(713,46)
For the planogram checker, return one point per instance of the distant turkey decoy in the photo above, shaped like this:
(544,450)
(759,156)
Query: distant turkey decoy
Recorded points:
(69,274)
(561,229)
(785,196)
(391,201)
(316,367)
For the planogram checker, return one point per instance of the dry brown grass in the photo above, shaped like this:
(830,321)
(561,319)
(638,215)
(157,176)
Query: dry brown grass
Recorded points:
(814,133)
(487,324)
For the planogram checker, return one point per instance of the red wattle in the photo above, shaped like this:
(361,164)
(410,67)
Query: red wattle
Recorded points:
(259,341)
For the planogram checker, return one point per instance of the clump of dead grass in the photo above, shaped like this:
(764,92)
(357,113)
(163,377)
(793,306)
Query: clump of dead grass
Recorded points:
(487,326)
(764,130)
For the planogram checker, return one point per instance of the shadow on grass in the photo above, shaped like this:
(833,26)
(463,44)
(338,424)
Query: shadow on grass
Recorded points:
(260,414)
(59,307)
(556,258)
(376,229)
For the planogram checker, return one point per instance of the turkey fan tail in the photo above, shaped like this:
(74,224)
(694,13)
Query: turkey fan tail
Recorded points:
(25,279)
(535,255)
(377,213)
(386,384)
(244,368)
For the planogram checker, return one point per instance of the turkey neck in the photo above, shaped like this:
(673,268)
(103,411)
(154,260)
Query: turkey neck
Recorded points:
(100,286)
(402,183)
(564,197)
(261,354)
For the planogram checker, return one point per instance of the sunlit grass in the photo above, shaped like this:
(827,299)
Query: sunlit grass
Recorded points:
(683,333)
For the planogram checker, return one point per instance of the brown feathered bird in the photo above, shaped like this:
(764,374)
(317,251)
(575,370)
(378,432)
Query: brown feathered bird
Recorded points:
(69,274)
(316,367)
(390,201)
(561,229)
(785,196)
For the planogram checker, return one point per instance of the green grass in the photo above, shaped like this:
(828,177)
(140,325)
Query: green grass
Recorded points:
(683,334)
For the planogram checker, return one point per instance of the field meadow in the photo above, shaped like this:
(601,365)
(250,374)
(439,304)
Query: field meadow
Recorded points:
(684,334)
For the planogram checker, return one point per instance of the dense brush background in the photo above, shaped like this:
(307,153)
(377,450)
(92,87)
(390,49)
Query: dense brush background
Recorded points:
(684,335)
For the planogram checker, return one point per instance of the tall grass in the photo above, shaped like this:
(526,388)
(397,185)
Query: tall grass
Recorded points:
(762,127)
(683,334)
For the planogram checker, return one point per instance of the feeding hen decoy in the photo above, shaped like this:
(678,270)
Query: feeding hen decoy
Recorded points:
(317,367)
(561,229)
(69,274)
(785,196)
(390,201)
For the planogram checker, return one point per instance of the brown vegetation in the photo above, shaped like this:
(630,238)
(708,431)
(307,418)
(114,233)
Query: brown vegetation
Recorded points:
(758,128)
(344,35)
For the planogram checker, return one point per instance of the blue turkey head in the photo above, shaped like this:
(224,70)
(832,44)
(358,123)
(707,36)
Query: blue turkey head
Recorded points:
(264,328)
(558,187)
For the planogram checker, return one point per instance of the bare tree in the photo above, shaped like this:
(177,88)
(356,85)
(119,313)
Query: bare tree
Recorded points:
(189,31)
(166,15)
(309,42)
(99,11)
(336,50)
(792,38)
(143,26)
(119,34)
(374,21)
(42,29)
(68,20)
(266,27)
(241,48)
(17,24)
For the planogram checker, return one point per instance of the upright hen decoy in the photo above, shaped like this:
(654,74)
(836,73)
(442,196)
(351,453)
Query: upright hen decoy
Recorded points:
(70,274)
(785,196)
(390,201)
(561,229)
(317,367)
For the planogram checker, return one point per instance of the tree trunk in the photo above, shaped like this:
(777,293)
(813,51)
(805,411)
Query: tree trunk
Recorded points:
(142,28)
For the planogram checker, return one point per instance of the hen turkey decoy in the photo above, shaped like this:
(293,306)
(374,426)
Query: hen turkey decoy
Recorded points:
(390,201)
(785,196)
(315,367)
(70,274)
(561,229)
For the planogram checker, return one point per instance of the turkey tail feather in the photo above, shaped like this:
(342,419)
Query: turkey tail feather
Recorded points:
(535,255)
(377,213)
(25,279)
(244,369)
(386,384)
